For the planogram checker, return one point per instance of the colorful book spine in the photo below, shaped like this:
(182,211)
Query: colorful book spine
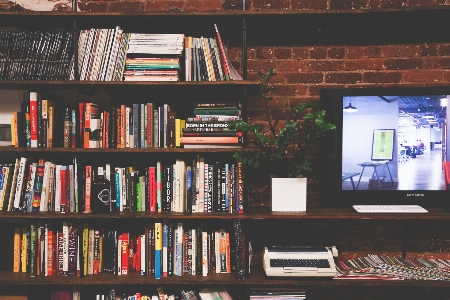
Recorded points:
(125,253)
(158,250)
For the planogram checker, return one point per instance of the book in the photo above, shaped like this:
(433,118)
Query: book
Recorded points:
(34,96)
(158,250)
(125,252)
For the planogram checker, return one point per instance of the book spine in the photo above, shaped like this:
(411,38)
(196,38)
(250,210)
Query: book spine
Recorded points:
(96,267)
(158,250)
(88,189)
(50,251)
(66,248)
(165,242)
(33,250)
(125,253)
(73,239)
(16,259)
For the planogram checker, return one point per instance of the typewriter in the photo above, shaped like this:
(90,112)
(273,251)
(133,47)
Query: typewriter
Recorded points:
(299,261)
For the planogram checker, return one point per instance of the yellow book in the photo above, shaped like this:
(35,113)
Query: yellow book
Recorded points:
(24,254)
(16,265)
(158,250)
(85,247)
(13,132)
(50,125)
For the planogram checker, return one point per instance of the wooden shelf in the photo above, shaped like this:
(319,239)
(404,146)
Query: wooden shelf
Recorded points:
(256,278)
(253,214)
(10,149)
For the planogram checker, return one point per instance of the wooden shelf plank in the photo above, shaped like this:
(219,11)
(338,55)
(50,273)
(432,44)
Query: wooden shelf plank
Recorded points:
(117,150)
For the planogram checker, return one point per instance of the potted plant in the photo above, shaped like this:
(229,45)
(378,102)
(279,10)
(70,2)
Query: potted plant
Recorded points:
(283,146)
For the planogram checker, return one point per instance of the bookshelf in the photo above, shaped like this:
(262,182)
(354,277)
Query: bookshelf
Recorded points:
(259,222)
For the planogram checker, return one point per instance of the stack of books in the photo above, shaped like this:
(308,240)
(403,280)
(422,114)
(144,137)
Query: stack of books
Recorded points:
(209,127)
(206,59)
(101,54)
(153,57)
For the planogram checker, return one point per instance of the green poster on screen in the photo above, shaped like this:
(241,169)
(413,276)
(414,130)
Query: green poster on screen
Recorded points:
(383,144)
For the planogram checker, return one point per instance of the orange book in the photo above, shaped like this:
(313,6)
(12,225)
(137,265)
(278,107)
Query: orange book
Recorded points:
(50,253)
(122,128)
(118,131)
(88,187)
(228,252)
(16,266)
(222,252)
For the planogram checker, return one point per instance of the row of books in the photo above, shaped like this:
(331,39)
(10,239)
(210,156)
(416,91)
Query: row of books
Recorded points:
(274,293)
(209,293)
(153,57)
(197,186)
(206,59)
(41,123)
(160,249)
(101,54)
(35,55)
(382,267)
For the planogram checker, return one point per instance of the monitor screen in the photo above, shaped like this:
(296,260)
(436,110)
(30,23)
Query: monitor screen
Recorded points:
(388,148)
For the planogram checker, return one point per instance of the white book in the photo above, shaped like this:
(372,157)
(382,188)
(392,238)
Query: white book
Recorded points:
(166,122)
(206,187)
(45,187)
(143,246)
(71,192)
(113,53)
(46,250)
(175,250)
(82,40)
(182,178)
(217,250)
(201,185)
(180,254)
(194,251)
(51,193)
(106,55)
(99,54)
(123,190)
(177,175)
(174,203)
(65,248)
(21,177)
(90,257)
(165,248)
(87,53)
(204,253)
(58,187)
(128,110)
(119,256)
(13,184)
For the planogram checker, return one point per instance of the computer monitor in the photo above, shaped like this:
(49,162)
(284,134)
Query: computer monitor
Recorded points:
(388,147)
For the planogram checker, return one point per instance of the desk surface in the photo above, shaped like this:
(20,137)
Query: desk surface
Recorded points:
(373,163)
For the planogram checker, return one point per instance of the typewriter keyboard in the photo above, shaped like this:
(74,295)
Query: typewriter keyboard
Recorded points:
(299,263)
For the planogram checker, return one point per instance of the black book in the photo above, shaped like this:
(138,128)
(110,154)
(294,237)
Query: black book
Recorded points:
(211,189)
(126,202)
(167,188)
(21,129)
(198,258)
(81,186)
(218,185)
(112,128)
(170,251)
(40,122)
(112,190)
(134,176)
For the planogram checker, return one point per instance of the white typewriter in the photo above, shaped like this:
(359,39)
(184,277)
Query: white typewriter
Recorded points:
(299,261)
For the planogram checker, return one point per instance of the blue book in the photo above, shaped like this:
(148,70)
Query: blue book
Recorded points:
(142,128)
(165,248)
(180,249)
(117,180)
(136,130)
(158,250)
(226,186)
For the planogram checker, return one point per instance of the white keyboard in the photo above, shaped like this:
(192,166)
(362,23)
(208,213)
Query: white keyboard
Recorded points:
(389,209)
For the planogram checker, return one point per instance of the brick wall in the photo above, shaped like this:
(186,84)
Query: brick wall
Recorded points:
(319,50)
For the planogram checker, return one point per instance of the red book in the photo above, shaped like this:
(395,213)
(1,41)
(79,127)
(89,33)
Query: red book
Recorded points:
(105,136)
(65,188)
(96,251)
(152,188)
(125,253)
(88,188)
(138,254)
(87,125)
(50,253)
(240,187)
(81,113)
(54,251)
(34,119)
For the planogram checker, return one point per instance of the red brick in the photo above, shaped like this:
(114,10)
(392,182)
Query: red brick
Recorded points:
(372,51)
(444,50)
(202,5)
(438,63)
(234,5)
(282,53)
(386,3)
(260,65)
(287,65)
(170,5)
(382,77)
(94,7)
(318,52)
(263,53)
(336,52)
(364,64)
(345,78)
(348,4)
(446,76)
(126,7)
(403,51)
(290,90)
(271,4)
(300,53)
(422,76)
(323,65)
(309,4)
(305,78)
(428,50)
(426,3)
(403,63)
(314,90)
(355,52)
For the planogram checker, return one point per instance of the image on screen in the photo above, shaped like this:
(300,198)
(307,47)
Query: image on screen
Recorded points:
(393,143)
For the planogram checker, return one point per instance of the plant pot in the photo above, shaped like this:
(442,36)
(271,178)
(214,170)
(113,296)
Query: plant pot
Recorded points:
(289,194)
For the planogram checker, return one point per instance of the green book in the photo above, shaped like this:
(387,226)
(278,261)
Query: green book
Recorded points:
(139,195)
(33,250)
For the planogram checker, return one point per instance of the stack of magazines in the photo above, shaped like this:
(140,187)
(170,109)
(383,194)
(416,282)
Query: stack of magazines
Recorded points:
(381,267)
(153,57)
